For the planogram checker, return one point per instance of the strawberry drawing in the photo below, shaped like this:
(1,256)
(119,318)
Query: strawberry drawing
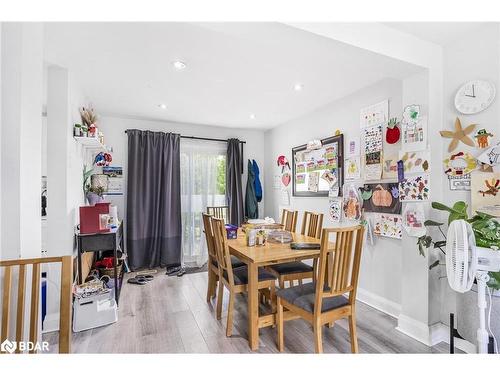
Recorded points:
(393,133)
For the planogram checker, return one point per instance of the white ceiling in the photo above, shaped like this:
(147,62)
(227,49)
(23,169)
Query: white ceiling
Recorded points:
(233,70)
(441,33)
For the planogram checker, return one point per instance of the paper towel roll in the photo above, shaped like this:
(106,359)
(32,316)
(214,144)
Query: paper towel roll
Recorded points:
(113,213)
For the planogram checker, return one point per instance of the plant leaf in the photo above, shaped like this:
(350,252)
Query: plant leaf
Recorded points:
(441,207)
(438,244)
(434,264)
(460,206)
(432,223)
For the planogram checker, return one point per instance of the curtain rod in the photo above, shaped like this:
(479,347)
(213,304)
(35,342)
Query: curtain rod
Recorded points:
(203,138)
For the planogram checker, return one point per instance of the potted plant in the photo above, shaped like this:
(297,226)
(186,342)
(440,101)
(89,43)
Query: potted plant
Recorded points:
(487,234)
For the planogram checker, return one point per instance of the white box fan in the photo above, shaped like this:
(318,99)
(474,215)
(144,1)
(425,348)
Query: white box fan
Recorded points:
(466,261)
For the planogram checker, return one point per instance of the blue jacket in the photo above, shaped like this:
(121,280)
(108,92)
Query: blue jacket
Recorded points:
(258,185)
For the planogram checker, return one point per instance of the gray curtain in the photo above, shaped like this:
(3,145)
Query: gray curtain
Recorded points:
(251,205)
(154,229)
(234,190)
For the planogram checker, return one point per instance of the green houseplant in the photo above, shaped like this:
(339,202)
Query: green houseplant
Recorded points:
(485,227)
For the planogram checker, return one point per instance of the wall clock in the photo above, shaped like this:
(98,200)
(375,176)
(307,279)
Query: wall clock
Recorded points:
(474,96)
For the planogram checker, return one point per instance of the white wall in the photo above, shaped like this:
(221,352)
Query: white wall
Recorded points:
(64,179)
(343,115)
(114,135)
(476,55)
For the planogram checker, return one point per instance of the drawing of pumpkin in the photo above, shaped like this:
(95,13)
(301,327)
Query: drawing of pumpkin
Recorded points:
(381,197)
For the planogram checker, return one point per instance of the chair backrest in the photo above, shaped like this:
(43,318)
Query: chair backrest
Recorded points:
(209,236)
(65,301)
(289,220)
(219,212)
(339,265)
(312,224)
(222,249)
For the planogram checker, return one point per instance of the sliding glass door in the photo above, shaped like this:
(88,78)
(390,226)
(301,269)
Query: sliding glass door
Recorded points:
(203,183)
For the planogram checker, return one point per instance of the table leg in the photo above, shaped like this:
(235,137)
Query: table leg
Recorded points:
(79,255)
(115,263)
(253,306)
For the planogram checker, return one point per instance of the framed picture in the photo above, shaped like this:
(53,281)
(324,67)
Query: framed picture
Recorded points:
(309,165)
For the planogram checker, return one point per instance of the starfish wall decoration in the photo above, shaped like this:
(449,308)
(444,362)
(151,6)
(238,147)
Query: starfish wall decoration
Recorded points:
(459,135)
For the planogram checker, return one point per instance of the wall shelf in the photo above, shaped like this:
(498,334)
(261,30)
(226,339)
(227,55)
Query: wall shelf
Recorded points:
(91,144)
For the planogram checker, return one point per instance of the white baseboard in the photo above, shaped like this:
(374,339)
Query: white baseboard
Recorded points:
(51,323)
(377,302)
(428,335)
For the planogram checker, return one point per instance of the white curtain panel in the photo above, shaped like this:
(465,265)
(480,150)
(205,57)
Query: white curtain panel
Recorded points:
(202,181)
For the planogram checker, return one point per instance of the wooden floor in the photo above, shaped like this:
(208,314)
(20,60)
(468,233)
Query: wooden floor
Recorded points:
(171,315)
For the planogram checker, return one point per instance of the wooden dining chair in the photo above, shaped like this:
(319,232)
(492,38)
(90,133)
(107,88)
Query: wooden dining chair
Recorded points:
(212,264)
(291,271)
(65,302)
(289,220)
(219,212)
(236,279)
(324,302)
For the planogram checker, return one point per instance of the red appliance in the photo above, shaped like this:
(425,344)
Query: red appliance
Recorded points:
(89,218)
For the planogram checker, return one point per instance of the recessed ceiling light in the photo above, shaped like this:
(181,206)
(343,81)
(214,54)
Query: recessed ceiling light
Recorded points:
(298,87)
(179,65)
(252,116)
(162,106)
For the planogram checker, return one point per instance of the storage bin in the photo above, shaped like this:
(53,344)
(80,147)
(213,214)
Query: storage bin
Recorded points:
(94,311)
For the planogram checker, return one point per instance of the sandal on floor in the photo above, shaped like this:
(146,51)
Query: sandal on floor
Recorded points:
(134,280)
(173,270)
(143,278)
(181,272)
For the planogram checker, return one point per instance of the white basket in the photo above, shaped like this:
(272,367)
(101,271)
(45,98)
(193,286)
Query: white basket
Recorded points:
(94,311)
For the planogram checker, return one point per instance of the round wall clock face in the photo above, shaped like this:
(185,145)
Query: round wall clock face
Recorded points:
(474,97)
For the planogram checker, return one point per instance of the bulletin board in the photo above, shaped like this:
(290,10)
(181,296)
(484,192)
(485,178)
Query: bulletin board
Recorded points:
(309,167)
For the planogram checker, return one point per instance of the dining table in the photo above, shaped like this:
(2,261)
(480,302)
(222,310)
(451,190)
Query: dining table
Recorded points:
(260,256)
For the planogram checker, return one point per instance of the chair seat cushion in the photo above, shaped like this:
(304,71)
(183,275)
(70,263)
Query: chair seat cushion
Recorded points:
(291,267)
(241,275)
(304,296)
(235,262)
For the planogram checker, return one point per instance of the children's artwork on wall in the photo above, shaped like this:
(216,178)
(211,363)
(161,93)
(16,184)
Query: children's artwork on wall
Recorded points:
(411,114)
(390,166)
(413,129)
(373,139)
(373,172)
(392,133)
(387,225)
(309,165)
(413,220)
(414,134)
(491,155)
(383,197)
(482,138)
(485,193)
(353,147)
(415,188)
(313,182)
(459,164)
(415,161)
(374,114)
(351,202)
(352,168)
(459,182)
(373,166)
(459,135)
(286,178)
(335,209)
